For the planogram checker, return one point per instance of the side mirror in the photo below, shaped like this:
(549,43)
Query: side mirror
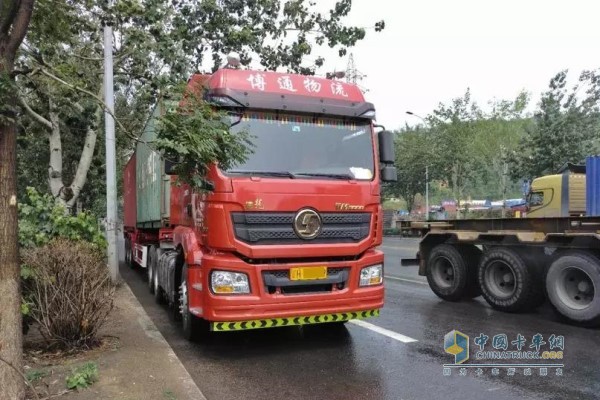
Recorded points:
(389,173)
(386,147)
(169,167)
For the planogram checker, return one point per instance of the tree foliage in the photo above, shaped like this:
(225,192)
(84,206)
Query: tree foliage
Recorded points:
(413,153)
(193,135)
(41,219)
(464,148)
(159,43)
(565,127)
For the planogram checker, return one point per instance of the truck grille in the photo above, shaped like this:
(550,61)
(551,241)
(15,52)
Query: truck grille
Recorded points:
(279,279)
(277,228)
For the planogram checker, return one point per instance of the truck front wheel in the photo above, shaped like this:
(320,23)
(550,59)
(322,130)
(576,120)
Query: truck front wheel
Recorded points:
(573,287)
(450,270)
(193,327)
(507,282)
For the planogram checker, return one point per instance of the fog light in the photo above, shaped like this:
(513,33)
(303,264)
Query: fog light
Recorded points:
(225,282)
(372,275)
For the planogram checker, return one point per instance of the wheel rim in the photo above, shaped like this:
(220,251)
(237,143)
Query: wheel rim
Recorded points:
(183,302)
(501,279)
(442,272)
(575,288)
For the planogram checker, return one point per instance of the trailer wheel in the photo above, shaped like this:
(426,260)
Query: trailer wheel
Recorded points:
(506,282)
(448,272)
(193,327)
(573,287)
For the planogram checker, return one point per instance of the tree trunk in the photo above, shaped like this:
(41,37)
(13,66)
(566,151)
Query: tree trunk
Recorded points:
(11,338)
(55,168)
(87,154)
(14,21)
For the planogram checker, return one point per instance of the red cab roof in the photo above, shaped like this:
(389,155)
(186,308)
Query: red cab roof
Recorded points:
(277,90)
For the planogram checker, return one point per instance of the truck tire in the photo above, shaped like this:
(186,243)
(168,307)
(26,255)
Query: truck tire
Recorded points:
(573,287)
(449,269)
(471,256)
(150,263)
(507,282)
(193,327)
(128,253)
(157,289)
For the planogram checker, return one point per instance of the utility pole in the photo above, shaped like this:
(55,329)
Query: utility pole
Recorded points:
(111,163)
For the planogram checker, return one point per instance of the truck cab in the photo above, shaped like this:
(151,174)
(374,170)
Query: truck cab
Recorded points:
(288,237)
(558,195)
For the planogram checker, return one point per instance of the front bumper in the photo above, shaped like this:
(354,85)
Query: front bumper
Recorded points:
(281,322)
(263,305)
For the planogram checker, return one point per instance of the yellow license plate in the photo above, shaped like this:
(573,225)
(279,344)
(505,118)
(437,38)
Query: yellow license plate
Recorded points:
(308,273)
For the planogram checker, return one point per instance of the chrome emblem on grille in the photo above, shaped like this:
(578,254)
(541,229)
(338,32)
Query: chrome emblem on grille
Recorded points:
(307,224)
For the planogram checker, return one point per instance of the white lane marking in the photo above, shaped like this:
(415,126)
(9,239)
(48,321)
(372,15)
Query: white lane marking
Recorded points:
(383,331)
(394,278)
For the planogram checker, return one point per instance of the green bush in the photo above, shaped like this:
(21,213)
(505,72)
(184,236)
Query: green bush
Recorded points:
(41,219)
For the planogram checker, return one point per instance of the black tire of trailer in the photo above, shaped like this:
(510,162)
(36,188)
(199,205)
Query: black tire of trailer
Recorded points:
(501,266)
(451,271)
(565,269)
(193,327)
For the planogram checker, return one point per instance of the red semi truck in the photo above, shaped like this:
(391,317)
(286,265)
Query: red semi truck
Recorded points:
(290,236)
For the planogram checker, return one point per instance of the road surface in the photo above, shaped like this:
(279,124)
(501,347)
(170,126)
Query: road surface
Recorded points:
(399,355)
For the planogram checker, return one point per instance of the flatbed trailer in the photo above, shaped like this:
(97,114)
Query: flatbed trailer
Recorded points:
(516,264)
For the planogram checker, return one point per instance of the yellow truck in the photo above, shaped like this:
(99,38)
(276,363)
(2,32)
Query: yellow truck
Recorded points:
(558,195)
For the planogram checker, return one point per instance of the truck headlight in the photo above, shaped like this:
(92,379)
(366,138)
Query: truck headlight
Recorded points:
(372,275)
(225,282)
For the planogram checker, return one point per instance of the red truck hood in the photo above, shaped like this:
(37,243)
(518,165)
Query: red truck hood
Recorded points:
(291,195)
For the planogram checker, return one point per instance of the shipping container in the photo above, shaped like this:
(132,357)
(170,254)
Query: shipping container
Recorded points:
(593,186)
(153,185)
(129,194)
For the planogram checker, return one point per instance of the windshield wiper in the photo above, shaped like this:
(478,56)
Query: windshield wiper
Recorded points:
(286,174)
(324,175)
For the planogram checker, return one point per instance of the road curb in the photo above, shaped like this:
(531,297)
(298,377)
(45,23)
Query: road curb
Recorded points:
(192,391)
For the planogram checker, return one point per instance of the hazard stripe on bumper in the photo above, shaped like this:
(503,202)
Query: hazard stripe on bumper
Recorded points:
(290,321)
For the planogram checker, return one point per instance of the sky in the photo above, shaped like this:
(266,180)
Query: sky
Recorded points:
(431,51)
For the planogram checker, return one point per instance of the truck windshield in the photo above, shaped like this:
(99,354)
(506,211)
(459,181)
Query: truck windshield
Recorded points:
(305,147)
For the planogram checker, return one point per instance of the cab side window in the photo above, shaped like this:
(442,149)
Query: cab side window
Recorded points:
(536,199)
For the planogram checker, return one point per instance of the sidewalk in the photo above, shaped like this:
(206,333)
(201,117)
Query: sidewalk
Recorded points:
(141,365)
